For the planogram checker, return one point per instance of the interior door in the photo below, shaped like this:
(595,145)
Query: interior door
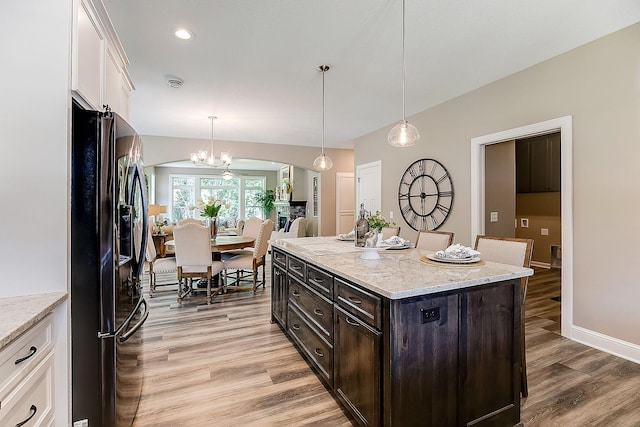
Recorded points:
(369,186)
(345,202)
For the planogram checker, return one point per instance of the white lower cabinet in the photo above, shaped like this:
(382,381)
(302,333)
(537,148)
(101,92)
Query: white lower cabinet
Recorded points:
(27,378)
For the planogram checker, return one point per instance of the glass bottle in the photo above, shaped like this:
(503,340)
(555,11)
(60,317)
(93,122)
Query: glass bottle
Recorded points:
(362,227)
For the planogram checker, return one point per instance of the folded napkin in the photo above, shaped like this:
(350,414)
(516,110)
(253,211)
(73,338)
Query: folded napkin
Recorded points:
(457,251)
(396,241)
(349,235)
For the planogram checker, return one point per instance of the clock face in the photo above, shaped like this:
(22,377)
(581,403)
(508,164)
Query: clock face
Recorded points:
(425,195)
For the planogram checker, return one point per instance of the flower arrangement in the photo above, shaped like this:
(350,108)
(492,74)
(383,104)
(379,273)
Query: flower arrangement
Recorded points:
(378,222)
(211,207)
(287,185)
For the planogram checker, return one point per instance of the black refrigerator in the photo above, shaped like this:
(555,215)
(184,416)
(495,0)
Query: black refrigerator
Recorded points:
(109,226)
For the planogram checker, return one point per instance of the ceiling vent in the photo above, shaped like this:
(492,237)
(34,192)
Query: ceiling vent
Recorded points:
(175,82)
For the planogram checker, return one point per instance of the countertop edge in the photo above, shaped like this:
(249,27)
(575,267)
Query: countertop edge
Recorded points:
(281,244)
(27,310)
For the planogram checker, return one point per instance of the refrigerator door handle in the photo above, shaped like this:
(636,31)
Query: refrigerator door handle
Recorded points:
(143,318)
(125,324)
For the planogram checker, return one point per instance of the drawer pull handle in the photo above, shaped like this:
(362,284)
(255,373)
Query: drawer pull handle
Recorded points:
(33,410)
(318,352)
(318,312)
(318,281)
(296,294)
(351,322)
(355,300)
(295,327)
(32,351)
(296,267)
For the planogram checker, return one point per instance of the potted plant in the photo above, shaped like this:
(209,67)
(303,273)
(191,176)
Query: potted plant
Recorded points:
(377,222)
(267,199)
(209,210)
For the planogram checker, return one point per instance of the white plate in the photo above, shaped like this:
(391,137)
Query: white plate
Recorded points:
(395,248)
(470,260)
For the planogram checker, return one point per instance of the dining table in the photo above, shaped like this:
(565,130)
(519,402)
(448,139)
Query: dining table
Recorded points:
(224,243)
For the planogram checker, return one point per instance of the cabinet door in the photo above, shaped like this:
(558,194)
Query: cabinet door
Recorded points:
(490,343)
(357,367)
(279,295)
(88,56)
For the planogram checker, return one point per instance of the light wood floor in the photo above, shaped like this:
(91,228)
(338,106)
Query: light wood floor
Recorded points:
(226,365)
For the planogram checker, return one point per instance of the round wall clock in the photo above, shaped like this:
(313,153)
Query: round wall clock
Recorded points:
(425,195)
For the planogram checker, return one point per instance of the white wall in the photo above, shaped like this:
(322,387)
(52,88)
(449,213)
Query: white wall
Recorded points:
(599,85)
(34,115)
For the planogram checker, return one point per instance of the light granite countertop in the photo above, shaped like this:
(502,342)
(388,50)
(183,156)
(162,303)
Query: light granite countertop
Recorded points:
(17,314)
(398,273)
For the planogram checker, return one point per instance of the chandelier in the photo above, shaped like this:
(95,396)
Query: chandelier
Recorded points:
(205,158)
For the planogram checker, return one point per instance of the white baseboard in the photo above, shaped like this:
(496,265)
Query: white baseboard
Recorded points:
(540,264)
(615,346)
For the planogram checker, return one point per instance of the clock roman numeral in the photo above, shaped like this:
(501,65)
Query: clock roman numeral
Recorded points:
(443,209)
(445,194)
(435,221)
(403,196)
(442,178)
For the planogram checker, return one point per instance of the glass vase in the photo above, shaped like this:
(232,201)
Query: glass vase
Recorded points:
(212,222)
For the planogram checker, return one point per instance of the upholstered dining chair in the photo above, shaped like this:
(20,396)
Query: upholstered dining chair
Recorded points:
(434,240)
(193,258)
(388,232)
(157,265)
(251,260)
(189,221)
(512,251)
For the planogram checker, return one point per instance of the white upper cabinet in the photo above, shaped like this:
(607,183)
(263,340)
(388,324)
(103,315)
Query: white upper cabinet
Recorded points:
(98,74)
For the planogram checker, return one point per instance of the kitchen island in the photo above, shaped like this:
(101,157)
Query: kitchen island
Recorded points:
(400,341)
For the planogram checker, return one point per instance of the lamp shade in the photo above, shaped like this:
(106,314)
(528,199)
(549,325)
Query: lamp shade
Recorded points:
(157,209)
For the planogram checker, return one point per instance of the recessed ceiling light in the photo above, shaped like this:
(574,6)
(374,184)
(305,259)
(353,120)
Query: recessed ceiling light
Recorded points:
(183,34)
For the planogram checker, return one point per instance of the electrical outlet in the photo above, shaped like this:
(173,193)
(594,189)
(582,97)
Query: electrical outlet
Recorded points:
(494,216)
(430,314)
(544,231)
(81,423)
(390,214)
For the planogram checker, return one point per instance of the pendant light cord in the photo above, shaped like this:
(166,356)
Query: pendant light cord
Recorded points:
(403,64)
(323,70)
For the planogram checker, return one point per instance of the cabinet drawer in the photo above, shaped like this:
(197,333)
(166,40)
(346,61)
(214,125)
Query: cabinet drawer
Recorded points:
(297,268)
(317,350)
(33,397)
(316,309)
(358,302)
(280,258)
(27,351)
(320,281)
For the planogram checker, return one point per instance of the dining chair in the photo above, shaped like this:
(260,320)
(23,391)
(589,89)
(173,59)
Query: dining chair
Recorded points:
(193,258)
(251,260)
(157,265)
(512,251)
(252,227)
(434,240)
(189,221)
(388,232)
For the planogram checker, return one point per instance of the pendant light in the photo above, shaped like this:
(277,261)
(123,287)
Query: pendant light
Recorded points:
(404,134)
(322,162)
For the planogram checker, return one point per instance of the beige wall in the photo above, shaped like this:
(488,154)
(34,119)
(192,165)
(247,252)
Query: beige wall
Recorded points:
(158,150)
(599,85)
(543,211)
(500,188)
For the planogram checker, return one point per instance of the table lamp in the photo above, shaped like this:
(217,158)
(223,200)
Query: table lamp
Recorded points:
(156,210)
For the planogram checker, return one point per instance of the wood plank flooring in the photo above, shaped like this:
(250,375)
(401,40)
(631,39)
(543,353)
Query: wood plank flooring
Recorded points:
(227,365)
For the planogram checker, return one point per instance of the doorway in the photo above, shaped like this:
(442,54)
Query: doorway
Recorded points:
(478,145)
(369,186)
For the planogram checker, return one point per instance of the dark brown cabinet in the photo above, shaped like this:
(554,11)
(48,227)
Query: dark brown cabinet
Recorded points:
(442,359)
(279,291)
(538,164)
(357,367)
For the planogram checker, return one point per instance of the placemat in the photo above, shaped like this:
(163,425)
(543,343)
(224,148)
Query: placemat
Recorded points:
(450,264)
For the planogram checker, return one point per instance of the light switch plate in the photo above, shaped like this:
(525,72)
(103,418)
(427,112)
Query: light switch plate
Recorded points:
(544,231)
(494,216)
(524,222)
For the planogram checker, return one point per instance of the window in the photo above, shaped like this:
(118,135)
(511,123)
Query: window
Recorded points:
(240,192)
